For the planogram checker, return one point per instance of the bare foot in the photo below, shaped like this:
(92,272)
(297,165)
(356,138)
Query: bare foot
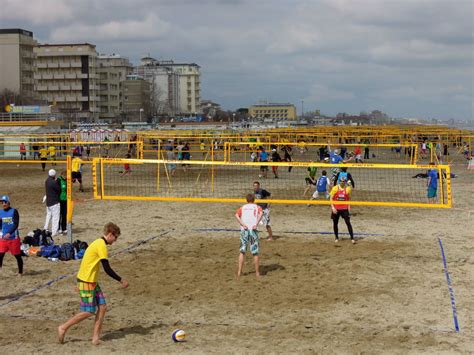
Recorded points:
(61,334)
(96,341)
(270,239)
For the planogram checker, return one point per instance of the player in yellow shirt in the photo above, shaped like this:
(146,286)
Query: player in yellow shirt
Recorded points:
(92,298)
(43,154)
(52,153)
(76,173)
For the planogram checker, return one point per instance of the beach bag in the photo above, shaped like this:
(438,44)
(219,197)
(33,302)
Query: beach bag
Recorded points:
(50,251)
(66,252)
(80,254)
(79,245)
(46,238)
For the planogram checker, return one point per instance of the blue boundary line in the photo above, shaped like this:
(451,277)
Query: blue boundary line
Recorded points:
(323,233)
(59,278)
(450,288)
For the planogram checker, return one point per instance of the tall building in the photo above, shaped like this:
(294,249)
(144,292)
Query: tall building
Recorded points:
(16,62)
(275,111)
(176,87)
(112,70)
(135,99)
(66,76)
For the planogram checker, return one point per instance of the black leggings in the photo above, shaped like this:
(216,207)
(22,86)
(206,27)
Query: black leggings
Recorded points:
(335,221)
(19,261)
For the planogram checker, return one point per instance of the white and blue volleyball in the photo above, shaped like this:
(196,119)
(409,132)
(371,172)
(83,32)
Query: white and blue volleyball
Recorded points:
(178,335)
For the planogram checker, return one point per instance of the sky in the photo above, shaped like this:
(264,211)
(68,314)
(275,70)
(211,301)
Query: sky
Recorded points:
(408,58)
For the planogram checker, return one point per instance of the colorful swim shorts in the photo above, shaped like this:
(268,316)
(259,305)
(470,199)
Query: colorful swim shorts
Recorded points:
(250,238)
(91,296)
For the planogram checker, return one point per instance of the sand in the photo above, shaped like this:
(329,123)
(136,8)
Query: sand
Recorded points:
(386,294)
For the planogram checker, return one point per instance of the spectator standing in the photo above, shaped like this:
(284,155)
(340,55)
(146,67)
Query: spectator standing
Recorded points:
(53,208)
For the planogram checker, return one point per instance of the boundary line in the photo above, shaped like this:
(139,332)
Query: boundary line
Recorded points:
(287,232)
(59,278)
(450,288)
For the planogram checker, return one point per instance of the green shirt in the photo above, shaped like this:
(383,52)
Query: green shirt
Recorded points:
(312,171)
(63,184)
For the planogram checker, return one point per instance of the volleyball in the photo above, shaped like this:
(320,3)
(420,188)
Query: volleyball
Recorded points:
(178,336)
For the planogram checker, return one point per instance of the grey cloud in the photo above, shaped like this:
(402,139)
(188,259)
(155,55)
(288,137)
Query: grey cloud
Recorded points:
(408,56)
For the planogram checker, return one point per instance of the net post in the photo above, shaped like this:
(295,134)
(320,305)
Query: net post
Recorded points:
(158,168)
(69,203)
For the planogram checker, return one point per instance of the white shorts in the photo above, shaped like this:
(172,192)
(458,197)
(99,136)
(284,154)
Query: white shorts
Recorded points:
(316,194)
(266,217)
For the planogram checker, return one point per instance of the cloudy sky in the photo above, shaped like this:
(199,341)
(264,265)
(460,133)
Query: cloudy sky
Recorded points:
(408,58)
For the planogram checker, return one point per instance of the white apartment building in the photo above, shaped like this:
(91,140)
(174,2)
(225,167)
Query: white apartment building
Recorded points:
(66,76)
(175,86)
(16,62)
(112,70)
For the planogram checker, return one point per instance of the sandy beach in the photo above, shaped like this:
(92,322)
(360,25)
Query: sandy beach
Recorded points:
(386,294)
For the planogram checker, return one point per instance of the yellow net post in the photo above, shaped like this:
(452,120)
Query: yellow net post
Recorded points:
(69,202)
(158,168)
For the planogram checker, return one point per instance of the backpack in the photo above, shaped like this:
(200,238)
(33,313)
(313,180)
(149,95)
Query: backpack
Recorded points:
(37,237)
(49,251)
(66,252)
(79,245)
(46,238)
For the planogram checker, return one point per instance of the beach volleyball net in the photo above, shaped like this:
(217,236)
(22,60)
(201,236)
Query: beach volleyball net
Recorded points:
(402,153)
(206,181)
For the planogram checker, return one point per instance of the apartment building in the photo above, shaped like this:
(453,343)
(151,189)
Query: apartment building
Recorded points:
(66,76)
(135,99)
(164,86)
(16,62)
(112,71)
(275,111)
(189,86)
(176,87)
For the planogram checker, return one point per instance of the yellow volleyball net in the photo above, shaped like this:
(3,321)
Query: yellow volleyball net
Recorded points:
(401,185)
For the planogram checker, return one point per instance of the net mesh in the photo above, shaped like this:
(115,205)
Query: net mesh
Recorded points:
(391,185)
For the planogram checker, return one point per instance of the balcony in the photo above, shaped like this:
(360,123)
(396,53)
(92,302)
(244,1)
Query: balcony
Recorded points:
(53,87)
(82,76)
(47,76)
(37,76)
(60,98)
(41,65)
(64,64)
(64,87)
(75,64)
(71,98)
(58,75)
(70,76)
(41,88)
(53,65)
(83,98)
(76,87)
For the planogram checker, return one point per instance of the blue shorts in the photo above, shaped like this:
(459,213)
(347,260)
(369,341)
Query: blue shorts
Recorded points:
(250,238)
(431,192)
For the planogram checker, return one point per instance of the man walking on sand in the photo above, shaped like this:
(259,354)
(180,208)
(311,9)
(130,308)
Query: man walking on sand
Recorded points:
(249,216)
(9,236)
(262,194)
(92,298)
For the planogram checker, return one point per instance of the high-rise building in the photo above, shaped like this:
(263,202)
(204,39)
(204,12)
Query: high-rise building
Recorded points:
(175,87)
(66,76)
(16,62)
(135,99)
(112,70)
